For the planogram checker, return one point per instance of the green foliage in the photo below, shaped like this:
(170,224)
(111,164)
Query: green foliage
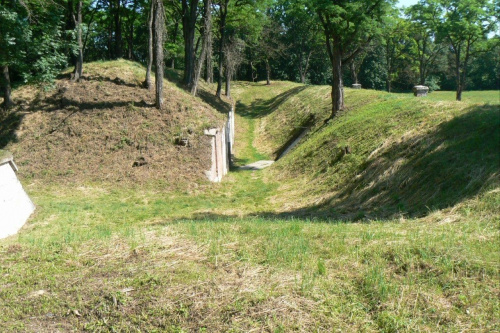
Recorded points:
(14,34)
(32,40)
(433,83)
(464,26)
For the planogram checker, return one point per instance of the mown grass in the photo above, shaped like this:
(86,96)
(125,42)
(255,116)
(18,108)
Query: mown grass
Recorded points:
(388,276)
(231,256)
(483,96)
(408,156)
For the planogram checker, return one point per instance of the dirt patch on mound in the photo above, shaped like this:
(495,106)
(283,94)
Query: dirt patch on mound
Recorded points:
(105,128)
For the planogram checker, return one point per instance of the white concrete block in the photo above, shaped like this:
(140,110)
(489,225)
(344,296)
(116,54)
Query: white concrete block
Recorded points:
(15,205)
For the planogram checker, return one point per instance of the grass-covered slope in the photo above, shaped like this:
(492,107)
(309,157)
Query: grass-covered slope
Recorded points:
(408,156)
(96,129)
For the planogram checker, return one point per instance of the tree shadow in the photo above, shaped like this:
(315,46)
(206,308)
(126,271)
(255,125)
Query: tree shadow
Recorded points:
(54,104)
(261,108)
(205,95)
(9,124)
(116,80)
(214,101)
(61,101)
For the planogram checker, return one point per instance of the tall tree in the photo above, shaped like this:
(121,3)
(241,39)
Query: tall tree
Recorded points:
(159,32)
(270,46)
(348,27)
(464,25)
(223,7)
(147,82)
(77,74)
(209,65)
(233,51)
(300,33)
(395,41)
(188,10)
(355,64)
(118,28)
(424,50)
(132,14)
(207,27)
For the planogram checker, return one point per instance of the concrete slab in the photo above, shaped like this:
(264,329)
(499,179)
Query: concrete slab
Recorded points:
(15,205)
(259,165)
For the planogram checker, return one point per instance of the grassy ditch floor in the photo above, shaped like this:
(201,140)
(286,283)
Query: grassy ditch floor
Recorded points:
(224,258)
(100,260)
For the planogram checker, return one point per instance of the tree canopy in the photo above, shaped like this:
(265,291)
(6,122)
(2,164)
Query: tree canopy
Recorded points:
(445,44)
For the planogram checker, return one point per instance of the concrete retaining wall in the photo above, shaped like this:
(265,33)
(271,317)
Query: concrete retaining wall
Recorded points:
(222,147)
(15,205)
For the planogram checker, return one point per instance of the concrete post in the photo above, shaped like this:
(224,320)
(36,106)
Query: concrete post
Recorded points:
(420,91)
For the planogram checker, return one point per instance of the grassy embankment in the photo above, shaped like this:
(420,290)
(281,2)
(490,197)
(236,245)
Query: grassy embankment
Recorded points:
(229,257)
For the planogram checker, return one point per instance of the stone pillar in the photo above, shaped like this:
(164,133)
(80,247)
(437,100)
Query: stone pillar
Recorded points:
(212,173)
(420,91)
(219,151)
(223,149)
(356,86)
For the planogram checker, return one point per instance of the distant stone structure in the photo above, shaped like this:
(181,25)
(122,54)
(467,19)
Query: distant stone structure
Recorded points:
(222,146)
(356,86)
(420,91)
(15,205)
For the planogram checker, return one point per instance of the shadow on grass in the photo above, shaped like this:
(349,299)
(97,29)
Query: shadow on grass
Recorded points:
(261,108)
(208,97)
(116,81)
(9,124)
(214,101)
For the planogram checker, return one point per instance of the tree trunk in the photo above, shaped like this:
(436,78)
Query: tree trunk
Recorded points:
(209,66)
(337,84)
(222,29)
(130,38)
(189,56)
(174,39)
(303,68)
(459,92)
(111,48)
(159,30)
(228,82)
(354,74)
(268,72)
(70,26)
(459,81)
(77,74)
(422,73)
(7,100)
(206,28)
(190,12)
(389,72)
(253,72)
(118,31)
(148,82)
